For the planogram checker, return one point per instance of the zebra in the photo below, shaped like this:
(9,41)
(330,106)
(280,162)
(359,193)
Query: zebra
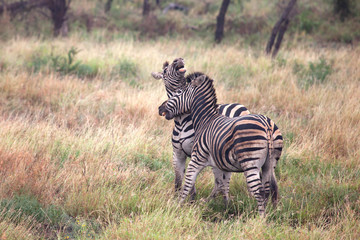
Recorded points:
(174,79)
(241,144)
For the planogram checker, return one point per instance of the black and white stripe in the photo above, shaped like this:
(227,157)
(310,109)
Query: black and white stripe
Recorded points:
(175,81)
(240,144)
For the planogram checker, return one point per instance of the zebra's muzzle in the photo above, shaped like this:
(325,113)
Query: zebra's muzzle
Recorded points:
(180,65)
(169,116)
(164,112)
(162,109)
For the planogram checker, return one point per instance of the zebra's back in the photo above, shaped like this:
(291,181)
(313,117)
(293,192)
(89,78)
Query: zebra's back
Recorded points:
(232,110)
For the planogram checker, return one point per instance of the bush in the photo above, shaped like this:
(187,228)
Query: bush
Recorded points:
(89,70)
(315,73)
(23,206)
(41,60)
(66,64)
(306,22)
(127,70)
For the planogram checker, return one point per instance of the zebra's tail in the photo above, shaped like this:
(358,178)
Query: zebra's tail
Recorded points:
(274,190)
(271,162)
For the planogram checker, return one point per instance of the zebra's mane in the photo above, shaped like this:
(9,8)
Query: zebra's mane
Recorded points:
(193,75)
(213,88)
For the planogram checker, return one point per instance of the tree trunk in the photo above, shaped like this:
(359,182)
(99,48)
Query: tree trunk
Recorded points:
(220,21)
(282,30)
(146,8)
(342,7)
(108,5)
(279,29)
(58,9)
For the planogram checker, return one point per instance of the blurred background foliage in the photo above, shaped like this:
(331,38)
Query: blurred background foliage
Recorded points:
(248,21)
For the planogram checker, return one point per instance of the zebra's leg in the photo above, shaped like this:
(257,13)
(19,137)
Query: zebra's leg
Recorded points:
(225,190)
(222,181)
(255,187)
(193,169)
(179,161)
(217,178)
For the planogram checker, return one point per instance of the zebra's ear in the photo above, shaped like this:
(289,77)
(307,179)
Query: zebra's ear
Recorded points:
(158,75)
(198,81)
(165,64)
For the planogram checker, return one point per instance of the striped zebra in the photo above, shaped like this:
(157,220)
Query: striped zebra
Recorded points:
(241,144)
(174,79)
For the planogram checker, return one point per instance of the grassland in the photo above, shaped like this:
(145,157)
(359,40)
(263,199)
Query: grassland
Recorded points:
(84,155)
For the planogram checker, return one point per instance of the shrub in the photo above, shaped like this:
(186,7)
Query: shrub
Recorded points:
(315,73)
(66,64)
(127,70)
(41,60)
(306,21)
(23,206)
(89,70)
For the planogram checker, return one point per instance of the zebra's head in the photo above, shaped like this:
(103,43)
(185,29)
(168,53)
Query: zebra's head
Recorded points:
(173,75)
(199,92)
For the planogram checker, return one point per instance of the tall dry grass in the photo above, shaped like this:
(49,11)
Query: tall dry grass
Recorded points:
(96,149)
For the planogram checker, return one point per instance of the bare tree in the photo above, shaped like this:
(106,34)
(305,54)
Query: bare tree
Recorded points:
(108,5)
(58,9)
(220,21)
(342,7)
(279,29)
(146,8)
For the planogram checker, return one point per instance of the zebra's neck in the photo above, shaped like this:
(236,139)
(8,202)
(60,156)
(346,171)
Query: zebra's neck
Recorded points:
(203,111)
(182,119)
(172,87)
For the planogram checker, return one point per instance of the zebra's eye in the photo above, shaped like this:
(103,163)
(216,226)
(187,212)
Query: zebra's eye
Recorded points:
(165,70)
(178,92)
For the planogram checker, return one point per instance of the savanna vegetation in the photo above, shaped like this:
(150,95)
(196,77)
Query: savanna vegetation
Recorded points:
(84,154)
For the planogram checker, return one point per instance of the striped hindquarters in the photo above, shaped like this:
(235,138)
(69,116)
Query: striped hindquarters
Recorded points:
(239,144)
(235,110)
